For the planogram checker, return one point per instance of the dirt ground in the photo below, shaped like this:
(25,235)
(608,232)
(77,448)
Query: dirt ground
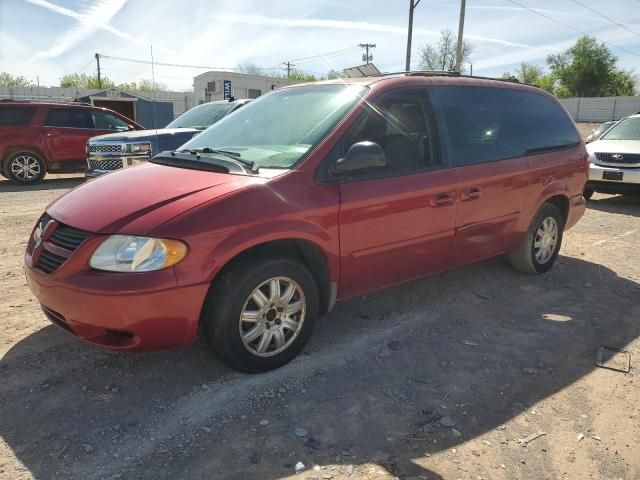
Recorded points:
(499,355)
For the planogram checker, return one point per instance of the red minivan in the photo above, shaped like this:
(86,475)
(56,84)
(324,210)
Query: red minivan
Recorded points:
(36,138)
(310,194)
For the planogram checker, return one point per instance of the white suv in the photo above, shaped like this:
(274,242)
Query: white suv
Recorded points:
(614,159)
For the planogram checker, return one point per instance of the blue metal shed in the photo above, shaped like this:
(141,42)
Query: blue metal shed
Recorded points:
(141,109)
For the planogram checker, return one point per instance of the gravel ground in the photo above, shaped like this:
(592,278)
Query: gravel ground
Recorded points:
(438,378)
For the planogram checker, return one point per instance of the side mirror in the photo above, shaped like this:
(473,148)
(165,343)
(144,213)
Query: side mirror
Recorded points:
(131,127)
(362,156)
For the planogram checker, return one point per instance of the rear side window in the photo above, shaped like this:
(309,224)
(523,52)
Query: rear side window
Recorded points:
(69,118)
(484,124)
(13,115)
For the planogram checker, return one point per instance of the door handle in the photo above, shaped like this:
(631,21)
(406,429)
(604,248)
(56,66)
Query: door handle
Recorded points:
(443,199)
(471,193)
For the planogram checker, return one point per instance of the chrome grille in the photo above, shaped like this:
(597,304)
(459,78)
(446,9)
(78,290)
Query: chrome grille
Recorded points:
(107,164)
(105,148)
(619,158)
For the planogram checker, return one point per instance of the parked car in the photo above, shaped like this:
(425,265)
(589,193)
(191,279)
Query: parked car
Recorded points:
(615,160)
(114,151)
(598,132)
(310,194)
(36,138)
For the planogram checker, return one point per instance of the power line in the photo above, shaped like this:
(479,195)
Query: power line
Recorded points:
(332,54)
(570,27)
(366,57)
(148,62)
(289,65)
(622,25)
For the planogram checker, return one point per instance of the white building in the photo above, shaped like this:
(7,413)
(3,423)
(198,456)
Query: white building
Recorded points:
(211,86)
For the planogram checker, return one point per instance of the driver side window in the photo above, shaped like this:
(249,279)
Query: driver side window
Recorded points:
(108,121)
(398,123)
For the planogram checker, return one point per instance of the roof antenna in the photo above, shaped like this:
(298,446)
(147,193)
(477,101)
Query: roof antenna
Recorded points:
(155,104)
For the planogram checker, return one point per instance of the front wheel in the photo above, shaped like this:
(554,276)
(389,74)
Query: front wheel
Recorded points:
(259,315)
(25,168)
(540,246)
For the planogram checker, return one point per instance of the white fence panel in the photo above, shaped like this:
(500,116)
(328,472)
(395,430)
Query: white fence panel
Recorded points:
(601,109)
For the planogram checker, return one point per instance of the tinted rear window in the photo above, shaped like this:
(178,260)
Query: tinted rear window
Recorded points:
(14,115)
(484,124)
(68,117)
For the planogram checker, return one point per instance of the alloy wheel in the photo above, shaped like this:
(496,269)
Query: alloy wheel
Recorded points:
(272,316)
(25,167)
(546,240)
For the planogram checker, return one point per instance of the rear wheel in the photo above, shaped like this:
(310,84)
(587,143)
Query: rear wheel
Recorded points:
(25,168)
(540,246)
(587,193)
(259,315)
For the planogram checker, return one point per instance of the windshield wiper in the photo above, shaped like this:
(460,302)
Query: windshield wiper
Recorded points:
(550,148)
(183,160)
(250,164)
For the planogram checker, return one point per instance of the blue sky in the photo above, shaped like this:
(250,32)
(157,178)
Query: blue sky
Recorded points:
(49,38)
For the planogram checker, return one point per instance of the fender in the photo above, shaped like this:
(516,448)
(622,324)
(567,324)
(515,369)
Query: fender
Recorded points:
(247,238)
(553,189)
(233,243)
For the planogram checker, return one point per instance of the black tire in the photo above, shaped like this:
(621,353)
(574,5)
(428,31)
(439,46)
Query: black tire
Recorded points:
(523,259)
(587,193)
(226,300)
(35,174)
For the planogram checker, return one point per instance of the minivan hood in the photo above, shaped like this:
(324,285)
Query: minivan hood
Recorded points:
(614,146)
(142,134)
(138,199)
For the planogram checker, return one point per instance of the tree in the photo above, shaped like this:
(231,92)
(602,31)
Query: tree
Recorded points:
(334,74)
(82,80)
(146,85)
(301,76)
(529,73)
(442,55)
(588,69)
(250,68)
(623,83)
(9,80)
(143,85)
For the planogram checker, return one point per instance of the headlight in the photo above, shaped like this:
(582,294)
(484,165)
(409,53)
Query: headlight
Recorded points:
(123,253)
(138,147)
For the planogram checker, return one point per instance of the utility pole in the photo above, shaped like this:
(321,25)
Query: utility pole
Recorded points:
(412,5)
(99,78)
(289,65)
(366,58)
(460,33)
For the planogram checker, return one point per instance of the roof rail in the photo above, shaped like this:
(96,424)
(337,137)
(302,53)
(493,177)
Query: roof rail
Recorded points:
(444,73)
(52,100)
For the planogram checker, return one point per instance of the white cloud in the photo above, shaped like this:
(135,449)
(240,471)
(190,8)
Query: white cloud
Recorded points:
(93,19)
(80,16)
(346,25)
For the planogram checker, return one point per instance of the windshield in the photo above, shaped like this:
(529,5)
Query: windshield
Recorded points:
(627,129)
(202,116)
(604,127)
(276,130)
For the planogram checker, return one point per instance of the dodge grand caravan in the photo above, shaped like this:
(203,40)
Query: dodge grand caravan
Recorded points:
(308,195)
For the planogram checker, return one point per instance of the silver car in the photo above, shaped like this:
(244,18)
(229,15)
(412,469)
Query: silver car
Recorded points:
(614,159)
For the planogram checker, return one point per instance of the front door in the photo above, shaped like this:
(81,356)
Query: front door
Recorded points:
(397,223)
